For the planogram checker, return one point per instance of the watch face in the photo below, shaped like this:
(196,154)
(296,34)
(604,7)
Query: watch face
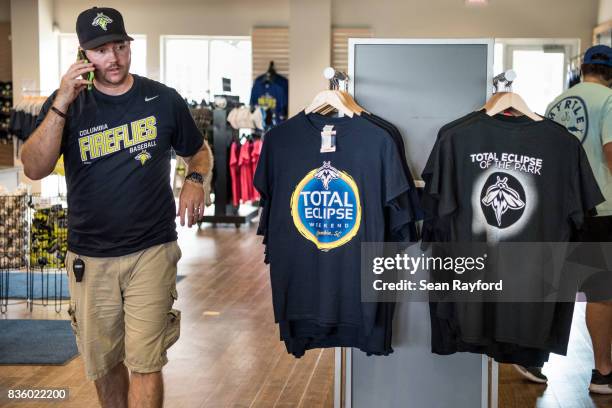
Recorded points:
(197,177)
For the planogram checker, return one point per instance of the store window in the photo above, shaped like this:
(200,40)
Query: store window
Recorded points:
(541,67)
(195,65)
(69,45)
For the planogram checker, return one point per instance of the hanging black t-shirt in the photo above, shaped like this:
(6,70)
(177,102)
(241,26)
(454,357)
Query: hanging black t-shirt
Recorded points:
(320,207)
(538,160)
(547,186)
(413,195)
(117,160)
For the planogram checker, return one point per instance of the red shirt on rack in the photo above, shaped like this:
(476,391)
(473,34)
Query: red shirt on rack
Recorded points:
(246,173)
(235,173)
(255,153)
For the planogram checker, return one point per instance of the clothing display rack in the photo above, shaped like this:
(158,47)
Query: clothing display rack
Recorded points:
(224,211)
(412,82)
(14,241)
(23,116)
(33,242)
(573,70)
(49,243)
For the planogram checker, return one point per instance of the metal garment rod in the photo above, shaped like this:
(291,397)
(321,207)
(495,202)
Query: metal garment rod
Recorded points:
(348,378)
(334,77)
(342,377)
(489,382)
(338,370)
(494,391)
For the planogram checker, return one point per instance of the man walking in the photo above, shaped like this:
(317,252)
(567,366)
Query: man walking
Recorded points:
(116,133)
(586,111)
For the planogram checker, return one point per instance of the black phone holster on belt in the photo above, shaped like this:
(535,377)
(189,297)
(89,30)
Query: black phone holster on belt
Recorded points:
(78,266)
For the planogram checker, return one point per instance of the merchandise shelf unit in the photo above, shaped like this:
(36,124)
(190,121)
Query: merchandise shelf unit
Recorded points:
(33,244)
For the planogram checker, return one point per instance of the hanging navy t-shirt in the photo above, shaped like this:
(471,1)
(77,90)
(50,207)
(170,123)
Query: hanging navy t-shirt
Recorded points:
(320,207)
(117,161)
(272,96)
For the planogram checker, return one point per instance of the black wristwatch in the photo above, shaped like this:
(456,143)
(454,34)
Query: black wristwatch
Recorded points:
(195,177)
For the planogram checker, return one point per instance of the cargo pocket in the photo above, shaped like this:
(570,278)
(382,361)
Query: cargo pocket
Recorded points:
(173,253)
(173,324)
(179,252)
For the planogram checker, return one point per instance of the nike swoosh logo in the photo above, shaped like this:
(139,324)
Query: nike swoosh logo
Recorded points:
(147,99)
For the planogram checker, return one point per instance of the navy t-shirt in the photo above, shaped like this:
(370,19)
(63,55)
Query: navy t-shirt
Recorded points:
(320,207)
(117,161)
(272,96)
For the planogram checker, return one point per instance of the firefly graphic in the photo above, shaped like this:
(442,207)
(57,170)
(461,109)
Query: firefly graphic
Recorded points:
(101,21)
(501,198)
(143,157)
(326,174)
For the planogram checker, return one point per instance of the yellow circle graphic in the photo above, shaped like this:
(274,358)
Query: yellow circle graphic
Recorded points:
(297,217)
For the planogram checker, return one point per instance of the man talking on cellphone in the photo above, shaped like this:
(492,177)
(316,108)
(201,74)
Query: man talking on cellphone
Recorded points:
(116,138)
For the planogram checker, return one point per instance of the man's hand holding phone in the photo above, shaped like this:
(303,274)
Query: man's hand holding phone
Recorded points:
(72,84)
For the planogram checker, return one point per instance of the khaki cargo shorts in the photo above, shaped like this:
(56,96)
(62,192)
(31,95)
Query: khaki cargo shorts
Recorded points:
(122,309)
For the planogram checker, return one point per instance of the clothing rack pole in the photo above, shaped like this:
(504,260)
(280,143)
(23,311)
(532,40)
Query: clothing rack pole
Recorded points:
(338,371)
(221,136)
(342,369)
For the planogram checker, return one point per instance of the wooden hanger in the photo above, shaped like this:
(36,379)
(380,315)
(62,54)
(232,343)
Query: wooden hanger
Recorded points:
(503,101)
(331,98)
(352,103)
(334,99)
(326,102)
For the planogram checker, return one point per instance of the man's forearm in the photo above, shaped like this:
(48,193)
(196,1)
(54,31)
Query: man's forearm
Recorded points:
(42,149)
(607,148)
(201,162)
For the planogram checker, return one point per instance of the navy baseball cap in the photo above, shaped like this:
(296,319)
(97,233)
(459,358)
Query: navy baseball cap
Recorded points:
(100,25)
(603,53)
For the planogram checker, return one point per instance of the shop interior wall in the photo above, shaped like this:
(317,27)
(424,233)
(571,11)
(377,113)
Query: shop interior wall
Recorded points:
(5,11)
(48,46)
(34,53)
(452,18)
(155,18)
(25,46)
(309,50)
(386,18)
(5,43)
(605,11)
(6,151)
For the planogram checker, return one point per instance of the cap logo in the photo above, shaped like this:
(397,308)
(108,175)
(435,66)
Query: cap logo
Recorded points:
(101,21)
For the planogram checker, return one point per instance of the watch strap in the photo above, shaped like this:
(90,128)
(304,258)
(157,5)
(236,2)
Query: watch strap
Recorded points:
(195,177)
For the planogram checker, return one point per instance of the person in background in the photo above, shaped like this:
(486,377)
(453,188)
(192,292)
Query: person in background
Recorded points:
(586,111)
(116,134)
